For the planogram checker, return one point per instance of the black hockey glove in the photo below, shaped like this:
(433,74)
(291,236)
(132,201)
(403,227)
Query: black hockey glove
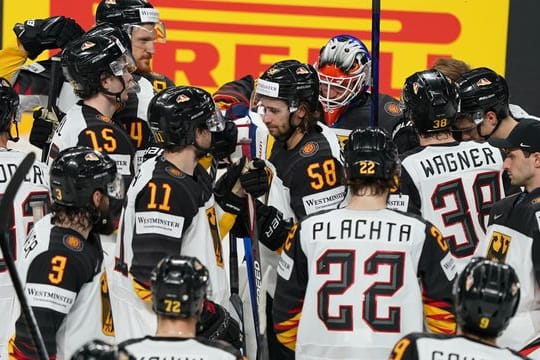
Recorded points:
(45,122)
(224,142)
(215,323)
(256,180)
(37,35)
(223,189)
(405,136)
(273,229)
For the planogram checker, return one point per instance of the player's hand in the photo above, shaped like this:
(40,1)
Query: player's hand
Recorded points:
(215,323)
(256,181)
(225,141)
(226,190)
(45,121)
(405,136)
(273,228)
(37,35)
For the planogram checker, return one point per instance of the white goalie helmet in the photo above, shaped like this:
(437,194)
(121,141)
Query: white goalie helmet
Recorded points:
(344,69)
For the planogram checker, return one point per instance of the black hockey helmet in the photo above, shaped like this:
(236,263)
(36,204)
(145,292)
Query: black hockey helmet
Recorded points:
(486,296)
(107,29)
(176,112)
(482,90)
(9,103)
(126,13)
(78,172)
(292,81)
(179,286)
(431,100)
(84,61)
(371,153)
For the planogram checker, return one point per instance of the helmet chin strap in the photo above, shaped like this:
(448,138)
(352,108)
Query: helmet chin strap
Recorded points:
(117,95)
(485,137)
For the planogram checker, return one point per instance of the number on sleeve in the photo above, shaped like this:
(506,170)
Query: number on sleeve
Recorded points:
(58,265)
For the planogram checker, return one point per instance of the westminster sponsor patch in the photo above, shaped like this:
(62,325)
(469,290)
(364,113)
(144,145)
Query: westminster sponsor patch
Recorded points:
(324,200)
(123,163)
(154,222)
(448,265)
(398,202)
(50,297)
(285,266)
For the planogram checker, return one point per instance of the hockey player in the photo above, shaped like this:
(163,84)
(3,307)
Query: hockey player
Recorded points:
(179,285)
(303,169)
(62,259)
(485,111)
(513,235)
(348,278)
(99,67)
(450,183)
(344,68)
(486,296)
(30,204)
(170,208)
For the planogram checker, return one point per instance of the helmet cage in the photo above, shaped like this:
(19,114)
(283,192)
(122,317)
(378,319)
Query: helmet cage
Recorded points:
(347,87)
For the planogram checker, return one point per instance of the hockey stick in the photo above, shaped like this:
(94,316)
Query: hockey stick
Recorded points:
(375,42)
(52,96)
(253,264)
(235,299)
(5,204)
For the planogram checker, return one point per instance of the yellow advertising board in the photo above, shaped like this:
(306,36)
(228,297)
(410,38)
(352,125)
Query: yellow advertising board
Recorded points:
(212,42)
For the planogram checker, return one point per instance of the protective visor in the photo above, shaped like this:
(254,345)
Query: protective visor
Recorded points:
(115,189)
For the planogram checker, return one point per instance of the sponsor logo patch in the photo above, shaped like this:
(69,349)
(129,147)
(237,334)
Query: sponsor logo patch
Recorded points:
(448,265)
(50,297)
(309,149)
(285,266)
(154,222)
(73,243)
(398,202)
(328,199)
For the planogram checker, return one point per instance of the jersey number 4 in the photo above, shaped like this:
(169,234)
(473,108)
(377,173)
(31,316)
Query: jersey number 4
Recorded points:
(346,259)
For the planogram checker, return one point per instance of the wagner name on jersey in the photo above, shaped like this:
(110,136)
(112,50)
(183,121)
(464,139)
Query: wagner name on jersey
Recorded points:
(422,346)
(66,286)
(348,283)
(175,348)
(30,204)
(454,186)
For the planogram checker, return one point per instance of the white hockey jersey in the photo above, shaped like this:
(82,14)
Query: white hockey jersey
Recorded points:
(418,346)
(174,348)
(454,186)
(352,282)
(29,205)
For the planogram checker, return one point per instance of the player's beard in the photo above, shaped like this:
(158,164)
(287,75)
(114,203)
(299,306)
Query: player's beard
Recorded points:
(144,65)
